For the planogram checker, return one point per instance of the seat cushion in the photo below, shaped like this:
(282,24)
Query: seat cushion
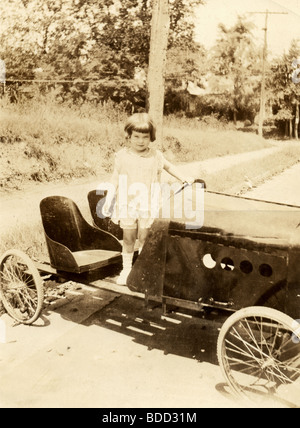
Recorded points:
(93,259)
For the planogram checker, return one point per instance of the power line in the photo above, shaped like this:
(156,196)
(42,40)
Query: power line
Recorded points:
(75,81)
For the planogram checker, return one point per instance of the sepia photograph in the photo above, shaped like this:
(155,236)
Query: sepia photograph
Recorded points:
(149,206)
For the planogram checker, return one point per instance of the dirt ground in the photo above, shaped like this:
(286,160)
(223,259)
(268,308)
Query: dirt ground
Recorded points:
(101,348)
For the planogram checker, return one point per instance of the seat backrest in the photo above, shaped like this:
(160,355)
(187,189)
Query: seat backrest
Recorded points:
(63,221)
(96,201)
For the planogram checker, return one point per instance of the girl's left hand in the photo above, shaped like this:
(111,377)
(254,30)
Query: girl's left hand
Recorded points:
(189,180)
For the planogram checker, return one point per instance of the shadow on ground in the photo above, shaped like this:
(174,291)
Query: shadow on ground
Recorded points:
(191,335)
(177,332)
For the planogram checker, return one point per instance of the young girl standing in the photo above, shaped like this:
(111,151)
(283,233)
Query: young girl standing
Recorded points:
(136,166)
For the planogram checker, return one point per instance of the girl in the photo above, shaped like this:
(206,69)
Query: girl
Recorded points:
(137,167)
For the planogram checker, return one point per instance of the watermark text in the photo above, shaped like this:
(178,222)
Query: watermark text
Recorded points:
(176,201)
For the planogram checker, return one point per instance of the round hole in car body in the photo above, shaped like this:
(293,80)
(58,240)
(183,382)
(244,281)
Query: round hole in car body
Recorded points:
(227,264)
(246,267)
(265,270)
(208,261)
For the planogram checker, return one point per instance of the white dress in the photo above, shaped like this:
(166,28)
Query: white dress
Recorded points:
(139,178)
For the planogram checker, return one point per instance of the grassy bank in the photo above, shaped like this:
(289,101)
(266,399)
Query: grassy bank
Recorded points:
(45,142)
(257,171)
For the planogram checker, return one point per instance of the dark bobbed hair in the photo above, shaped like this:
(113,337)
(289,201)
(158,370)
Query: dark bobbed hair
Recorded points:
(140,122)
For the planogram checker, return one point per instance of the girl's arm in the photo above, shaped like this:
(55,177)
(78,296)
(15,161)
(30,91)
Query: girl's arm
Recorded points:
(175,172)
(111,192)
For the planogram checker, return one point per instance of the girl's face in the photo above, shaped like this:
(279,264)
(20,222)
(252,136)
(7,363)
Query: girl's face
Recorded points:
(140,141)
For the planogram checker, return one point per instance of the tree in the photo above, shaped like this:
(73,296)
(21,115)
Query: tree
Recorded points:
(186,63)
(284,86)
(87,40)
(234,57)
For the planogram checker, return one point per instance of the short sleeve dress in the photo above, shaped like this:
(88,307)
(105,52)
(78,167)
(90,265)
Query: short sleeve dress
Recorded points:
(139,183)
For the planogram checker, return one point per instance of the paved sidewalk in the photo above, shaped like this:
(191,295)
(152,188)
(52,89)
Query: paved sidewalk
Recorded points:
(284,188)
(210,166)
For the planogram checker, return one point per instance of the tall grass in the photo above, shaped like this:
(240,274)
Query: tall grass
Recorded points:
(197,144)
(46,141)
(25,237)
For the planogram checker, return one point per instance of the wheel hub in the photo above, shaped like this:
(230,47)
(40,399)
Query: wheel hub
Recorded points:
(269,362)
(15,285)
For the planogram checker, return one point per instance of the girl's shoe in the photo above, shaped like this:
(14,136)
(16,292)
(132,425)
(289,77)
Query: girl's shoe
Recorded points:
(122,278)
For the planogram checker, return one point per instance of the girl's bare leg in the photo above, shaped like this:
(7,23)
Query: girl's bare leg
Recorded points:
(129,238)
(142,235)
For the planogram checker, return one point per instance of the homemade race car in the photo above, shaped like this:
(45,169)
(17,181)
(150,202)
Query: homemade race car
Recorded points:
(243,262)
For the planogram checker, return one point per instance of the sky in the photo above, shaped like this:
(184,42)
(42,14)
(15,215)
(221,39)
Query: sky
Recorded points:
(282,29)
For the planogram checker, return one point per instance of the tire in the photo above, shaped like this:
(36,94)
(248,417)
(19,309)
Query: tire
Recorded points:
(258,351)
(21,287)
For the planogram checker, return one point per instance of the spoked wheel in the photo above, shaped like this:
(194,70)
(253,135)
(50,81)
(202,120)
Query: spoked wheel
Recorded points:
(259,353)
(21,287)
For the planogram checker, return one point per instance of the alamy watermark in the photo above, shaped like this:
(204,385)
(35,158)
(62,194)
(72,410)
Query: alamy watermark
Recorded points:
(180,202)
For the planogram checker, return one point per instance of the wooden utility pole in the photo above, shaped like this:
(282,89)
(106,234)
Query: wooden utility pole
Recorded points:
(160,25)
(262,107)
(264,60)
